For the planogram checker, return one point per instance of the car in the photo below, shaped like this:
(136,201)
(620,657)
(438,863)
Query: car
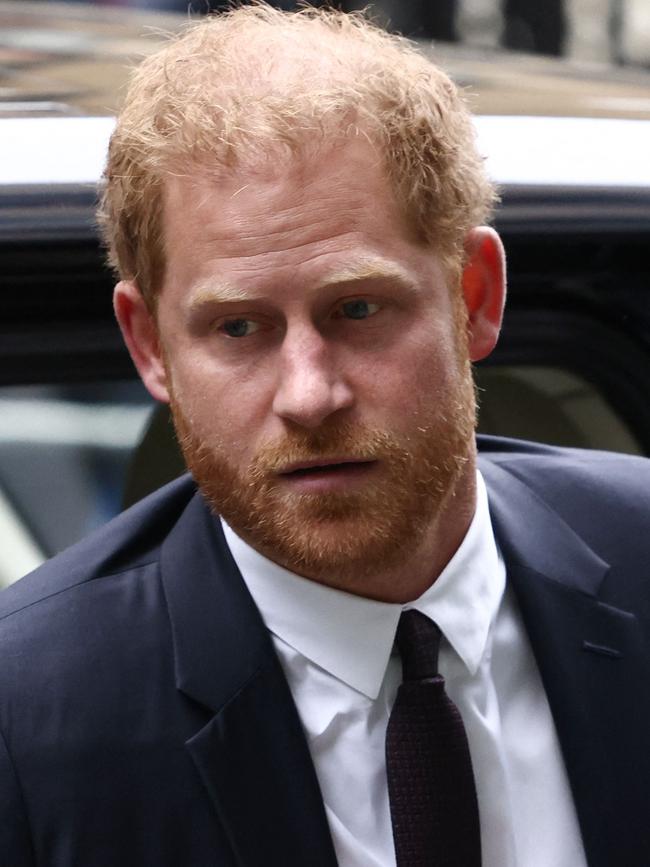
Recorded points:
(567,145)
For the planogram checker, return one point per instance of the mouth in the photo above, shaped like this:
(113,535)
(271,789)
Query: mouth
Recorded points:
(326,474)
(325,467)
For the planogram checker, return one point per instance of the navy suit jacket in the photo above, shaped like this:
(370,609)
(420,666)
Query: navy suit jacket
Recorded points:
(145,720)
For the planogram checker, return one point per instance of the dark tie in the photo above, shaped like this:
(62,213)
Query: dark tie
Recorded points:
(430,781)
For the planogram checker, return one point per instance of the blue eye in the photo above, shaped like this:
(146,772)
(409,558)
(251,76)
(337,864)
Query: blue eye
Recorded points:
(239,327)
(359,309)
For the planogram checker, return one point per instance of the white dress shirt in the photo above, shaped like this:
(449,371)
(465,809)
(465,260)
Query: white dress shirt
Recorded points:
(336,650)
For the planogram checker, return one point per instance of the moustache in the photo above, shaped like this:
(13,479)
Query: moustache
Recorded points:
(345,442)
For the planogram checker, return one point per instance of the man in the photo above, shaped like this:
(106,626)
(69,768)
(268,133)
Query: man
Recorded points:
(294,204)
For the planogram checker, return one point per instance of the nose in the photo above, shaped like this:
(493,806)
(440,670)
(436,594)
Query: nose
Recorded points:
(310,387)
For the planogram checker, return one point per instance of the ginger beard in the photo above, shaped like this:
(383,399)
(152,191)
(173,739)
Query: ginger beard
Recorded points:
(347,534)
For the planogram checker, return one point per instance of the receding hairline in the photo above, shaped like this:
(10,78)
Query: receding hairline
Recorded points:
(259,79)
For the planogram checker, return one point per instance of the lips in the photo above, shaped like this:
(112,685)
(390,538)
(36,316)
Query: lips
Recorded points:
(305,469)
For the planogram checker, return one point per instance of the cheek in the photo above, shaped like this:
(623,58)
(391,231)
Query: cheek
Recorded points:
(427,367)
(223,410)
(437,390)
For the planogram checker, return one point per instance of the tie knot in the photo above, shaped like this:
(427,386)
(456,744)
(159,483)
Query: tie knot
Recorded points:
(418,640)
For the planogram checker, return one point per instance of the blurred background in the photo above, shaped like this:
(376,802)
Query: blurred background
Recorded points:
(598,30)
(561,94)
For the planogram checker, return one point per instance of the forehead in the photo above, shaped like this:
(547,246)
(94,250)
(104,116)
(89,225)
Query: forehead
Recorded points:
(284,209)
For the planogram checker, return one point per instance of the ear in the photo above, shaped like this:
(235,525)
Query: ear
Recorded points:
(484,289)
(140,333)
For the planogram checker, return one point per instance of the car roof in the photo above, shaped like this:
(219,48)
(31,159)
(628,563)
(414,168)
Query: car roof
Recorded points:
(606,152)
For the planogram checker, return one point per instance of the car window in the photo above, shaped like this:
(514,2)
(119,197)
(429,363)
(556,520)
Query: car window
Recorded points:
(64,458)
(550,404)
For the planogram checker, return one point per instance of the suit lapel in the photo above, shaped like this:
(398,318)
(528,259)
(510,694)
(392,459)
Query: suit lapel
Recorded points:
(592,661)
(252,755)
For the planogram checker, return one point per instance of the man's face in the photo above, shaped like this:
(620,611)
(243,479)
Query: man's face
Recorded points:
(316,362)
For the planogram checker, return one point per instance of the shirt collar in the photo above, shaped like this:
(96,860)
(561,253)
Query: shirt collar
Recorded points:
(350,636)
(465,598)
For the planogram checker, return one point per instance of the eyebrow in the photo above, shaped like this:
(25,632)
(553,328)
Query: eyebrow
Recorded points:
(215,292)
(367,269)
(371,268)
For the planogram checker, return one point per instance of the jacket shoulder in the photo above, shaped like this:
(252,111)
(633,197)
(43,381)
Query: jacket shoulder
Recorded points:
(540,463)
(594,491)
